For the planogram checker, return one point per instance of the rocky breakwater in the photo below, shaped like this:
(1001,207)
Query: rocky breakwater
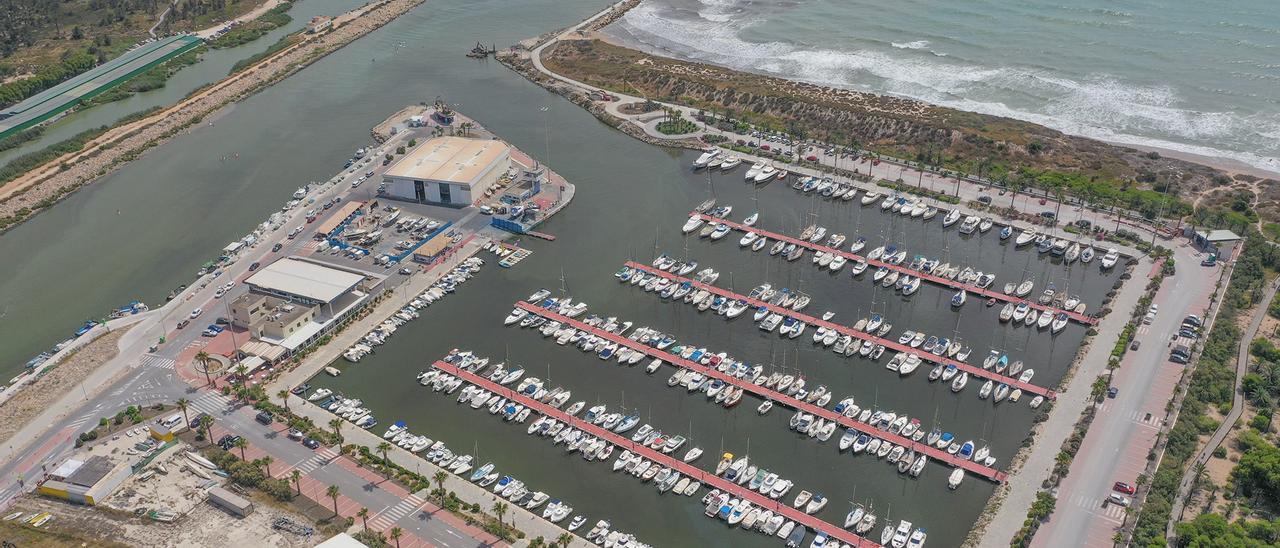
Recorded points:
(44,186)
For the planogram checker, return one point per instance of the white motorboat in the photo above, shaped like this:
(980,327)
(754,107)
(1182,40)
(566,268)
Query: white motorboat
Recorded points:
(751,219)
(1109,260)
(766,173)
(1027,236)
(754,170)
(951,218)
(957,475)
(706,157)
(692,224)
(730,162)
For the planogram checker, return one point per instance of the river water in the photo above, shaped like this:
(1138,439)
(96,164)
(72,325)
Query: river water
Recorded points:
(148,227)
(213,66)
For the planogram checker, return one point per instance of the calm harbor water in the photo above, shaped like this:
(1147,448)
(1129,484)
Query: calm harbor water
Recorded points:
(660,189)
(148,227)
(213,66)
(1192,76)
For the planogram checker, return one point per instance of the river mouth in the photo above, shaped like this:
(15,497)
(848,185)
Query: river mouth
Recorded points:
(635,214)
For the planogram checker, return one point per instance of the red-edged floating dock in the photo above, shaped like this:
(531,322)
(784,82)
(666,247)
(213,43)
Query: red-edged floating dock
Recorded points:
(888,344)
(986,293)
(814,524)
(778,397)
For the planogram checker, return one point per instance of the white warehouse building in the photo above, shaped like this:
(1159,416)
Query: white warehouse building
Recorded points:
(448,170)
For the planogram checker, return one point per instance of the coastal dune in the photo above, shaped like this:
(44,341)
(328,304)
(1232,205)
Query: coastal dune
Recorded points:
(901,127)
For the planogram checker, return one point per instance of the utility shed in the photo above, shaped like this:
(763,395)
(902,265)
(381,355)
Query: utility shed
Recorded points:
(230,502)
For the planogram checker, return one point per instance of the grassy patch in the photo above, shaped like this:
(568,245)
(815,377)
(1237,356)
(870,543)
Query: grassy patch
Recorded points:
(243,34)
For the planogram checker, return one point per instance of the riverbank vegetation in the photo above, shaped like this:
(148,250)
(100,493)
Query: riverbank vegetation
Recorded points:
(46,77)
(1211,385)
(272,19)
(1016,154)
(152,79)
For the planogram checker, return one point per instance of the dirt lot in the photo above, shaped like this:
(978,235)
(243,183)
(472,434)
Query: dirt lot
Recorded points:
(32,400)
(204,526)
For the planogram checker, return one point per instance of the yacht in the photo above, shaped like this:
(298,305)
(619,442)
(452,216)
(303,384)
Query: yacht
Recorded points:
(730,162)
(1109,260)
(706,157)
(1027,236)
(952,217)
(766,173)
(692,224)
(755,170)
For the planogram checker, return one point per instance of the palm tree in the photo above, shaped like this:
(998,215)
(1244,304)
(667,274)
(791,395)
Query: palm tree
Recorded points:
(241,371)
(203,357)
(564,539)
(364,517)
(383,447)
(206,422)
(439,478)
(500,508)
(333,493)
(396,532)
(336,425)
(297,480)
(266,464)
(182,404)
(284,397)
(241,445)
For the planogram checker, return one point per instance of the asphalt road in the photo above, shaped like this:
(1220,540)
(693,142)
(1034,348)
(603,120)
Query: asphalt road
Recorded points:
(1124,430)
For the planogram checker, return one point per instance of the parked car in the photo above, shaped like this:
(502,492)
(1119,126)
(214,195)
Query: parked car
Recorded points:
(300,389)
(1134,345)
(196,313)
(310,443)
(195,421)
(1113,392)
(1193,320)
(263,417)
(253,266)
(295,434)
(1048,214)
(1117,498)
(183,323)
(222,321)
(1124,488)
(276,247)
(985,199)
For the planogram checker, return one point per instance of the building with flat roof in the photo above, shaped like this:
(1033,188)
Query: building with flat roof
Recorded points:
(332,226)
(295,301)
(300,280)
(85,480)
(452,171)
(1218,242)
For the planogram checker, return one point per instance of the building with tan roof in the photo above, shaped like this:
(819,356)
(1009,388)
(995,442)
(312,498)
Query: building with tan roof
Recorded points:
(452,171)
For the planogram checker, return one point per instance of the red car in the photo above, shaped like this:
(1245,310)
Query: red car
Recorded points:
(1124,488)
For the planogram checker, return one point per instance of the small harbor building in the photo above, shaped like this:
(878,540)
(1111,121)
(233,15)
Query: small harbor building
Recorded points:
(85,480)
(452,171)
(1218,242)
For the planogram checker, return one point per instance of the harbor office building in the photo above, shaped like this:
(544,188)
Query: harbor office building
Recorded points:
(295,301)
(452,171)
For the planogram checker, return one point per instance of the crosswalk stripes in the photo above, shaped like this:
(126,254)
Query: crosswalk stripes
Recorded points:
(1143,330)
(323,456)
(211,403)
(390,516)
(1144,418)
(1094,505)
(152,360)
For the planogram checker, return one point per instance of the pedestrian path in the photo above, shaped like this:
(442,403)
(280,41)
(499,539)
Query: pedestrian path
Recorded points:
(975,290)
(211,403)
(1100,508)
